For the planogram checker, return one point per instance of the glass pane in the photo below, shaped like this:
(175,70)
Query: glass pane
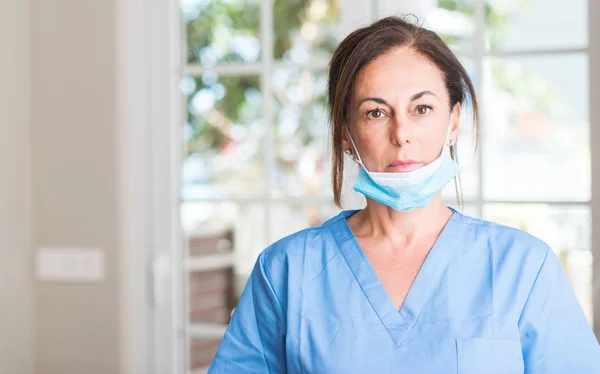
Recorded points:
(536,24)
(305,29)
(224,135)
(301,154)
(453,21)
(467,159)
(214,229)
(468,210)
(211,293)
(536,129)
(566,230)
(226,227)
(221,31)
(202,352)
(350,198)
(287,219)
(465,148)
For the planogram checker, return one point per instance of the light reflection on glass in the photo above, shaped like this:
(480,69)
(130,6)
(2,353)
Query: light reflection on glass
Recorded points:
(222,31)
(301,167)
(224,134)
(537,120)
(305,30)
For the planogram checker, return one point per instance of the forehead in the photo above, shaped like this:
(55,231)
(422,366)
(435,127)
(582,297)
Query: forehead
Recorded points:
(397,73)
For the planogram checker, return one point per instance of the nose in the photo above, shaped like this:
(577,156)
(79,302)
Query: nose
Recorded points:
(401,131)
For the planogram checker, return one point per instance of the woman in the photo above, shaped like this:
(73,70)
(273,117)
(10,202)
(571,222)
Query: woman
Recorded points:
(406,285)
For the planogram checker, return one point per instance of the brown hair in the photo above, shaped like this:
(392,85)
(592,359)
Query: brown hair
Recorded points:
(366,44)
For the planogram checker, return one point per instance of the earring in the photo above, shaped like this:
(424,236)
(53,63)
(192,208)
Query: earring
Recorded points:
(348,152)
(451,142)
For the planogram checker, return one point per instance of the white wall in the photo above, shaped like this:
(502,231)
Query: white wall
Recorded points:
(72,93)
(74,150)
(16,280)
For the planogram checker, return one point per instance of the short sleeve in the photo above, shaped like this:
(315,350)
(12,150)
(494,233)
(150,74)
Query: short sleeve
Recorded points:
(254,341)
(555,334)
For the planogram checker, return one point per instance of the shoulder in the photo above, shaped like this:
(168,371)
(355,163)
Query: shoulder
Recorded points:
(304,249)
(511,258)
(507,244)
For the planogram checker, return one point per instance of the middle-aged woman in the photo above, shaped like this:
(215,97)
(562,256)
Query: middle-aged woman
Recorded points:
(405,285)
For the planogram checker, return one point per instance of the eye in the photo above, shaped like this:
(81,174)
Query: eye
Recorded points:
(423,109)
(375,114)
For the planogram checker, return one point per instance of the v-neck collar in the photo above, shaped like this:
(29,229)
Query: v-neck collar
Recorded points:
(398,323)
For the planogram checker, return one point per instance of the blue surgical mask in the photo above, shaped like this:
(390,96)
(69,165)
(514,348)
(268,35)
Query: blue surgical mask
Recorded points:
(407,191)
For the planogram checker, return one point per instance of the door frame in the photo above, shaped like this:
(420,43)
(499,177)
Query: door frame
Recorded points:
(148,68)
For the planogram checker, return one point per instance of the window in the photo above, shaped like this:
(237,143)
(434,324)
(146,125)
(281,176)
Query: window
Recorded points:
(255,136)
(256,157)
(533,169)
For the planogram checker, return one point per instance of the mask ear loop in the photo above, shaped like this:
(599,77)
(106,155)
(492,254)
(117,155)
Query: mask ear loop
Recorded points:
(358,159)
(449,142)
(452,146)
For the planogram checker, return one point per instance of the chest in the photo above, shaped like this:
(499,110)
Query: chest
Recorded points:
(349,325)
(396,273)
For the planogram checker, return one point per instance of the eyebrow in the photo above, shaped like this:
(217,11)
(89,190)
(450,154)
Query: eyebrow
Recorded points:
(414,97)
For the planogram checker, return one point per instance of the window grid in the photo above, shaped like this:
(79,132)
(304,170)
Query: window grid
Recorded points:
(236,69)
(266,36)
(268,63)
(478,52)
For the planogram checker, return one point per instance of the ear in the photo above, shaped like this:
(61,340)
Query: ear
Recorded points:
(455,122)
(346,143)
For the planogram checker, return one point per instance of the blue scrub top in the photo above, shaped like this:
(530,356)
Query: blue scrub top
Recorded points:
(488,299)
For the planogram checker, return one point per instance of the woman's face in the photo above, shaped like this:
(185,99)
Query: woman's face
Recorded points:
(400,113)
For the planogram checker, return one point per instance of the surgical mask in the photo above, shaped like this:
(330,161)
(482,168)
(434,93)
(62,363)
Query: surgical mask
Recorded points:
(407,191)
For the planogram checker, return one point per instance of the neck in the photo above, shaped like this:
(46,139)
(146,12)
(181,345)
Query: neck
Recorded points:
(380,221)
